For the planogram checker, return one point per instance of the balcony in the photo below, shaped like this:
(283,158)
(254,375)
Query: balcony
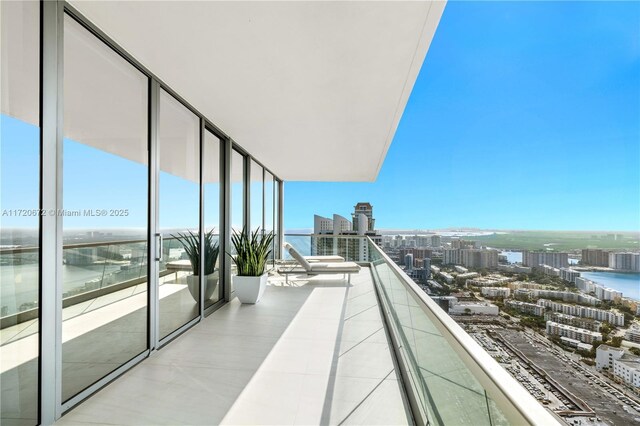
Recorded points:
(317,350)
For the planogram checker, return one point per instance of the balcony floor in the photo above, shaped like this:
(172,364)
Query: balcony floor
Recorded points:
(313,351)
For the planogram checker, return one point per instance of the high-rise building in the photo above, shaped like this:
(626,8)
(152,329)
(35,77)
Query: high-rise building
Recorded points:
(625,261)
(471,258)
(436,241)
(595,257)
(537,258)
(367,210)
(408,261)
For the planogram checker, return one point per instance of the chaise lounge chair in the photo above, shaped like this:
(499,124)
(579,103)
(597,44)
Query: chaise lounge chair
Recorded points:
(317,268)
(312,259)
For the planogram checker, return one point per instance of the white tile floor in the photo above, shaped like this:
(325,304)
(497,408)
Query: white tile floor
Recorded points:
(311,352)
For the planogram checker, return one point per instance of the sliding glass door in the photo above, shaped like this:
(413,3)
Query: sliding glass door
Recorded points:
(179,214)
(105,216)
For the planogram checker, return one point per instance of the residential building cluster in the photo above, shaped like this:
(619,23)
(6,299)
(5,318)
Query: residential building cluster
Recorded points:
(612,317)
(623,365)
(565,296)
(581,334)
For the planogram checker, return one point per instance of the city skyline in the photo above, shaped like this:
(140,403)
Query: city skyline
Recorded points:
(530,123)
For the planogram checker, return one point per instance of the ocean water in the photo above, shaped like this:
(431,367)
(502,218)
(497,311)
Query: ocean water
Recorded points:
(628,284)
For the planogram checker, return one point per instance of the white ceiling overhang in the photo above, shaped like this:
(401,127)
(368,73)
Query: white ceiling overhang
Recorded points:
(312,89)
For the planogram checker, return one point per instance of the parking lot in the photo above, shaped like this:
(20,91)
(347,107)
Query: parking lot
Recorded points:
(610,406)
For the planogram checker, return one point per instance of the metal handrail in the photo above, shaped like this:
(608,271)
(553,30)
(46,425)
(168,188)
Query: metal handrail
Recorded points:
(509,395)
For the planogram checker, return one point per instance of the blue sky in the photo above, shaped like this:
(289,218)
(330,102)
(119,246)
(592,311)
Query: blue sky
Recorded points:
(525,115)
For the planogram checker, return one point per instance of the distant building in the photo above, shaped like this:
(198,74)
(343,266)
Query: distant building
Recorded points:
(518,269)
(601,292)
(595,257)
(612,317)
(451,256)
(585,336)
(436,241)
(337,230)
(463,244)
(408,261)
(537,258)
(474,308)
(525,308)
(625,261)
(576,343)
(418,253)
(569,274)
(586,323)
(622,365)
(633,334)
(367,210)
(496,292)
(471,258)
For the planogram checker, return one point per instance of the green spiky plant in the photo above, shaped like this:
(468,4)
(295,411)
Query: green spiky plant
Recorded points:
(252,251)
(191,246)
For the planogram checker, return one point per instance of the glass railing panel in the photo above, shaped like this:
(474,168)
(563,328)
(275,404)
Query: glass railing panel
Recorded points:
(442,385)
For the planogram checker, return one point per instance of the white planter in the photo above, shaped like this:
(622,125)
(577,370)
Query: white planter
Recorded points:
(250,289)
(211,285)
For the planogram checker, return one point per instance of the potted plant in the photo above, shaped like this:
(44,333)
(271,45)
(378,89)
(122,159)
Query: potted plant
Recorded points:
(191,244)
(252,252)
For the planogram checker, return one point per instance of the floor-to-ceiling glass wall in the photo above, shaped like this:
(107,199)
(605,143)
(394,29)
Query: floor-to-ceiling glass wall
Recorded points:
(105,216)
(19,222)
(268,210)
(178,214)
(211,182)
(256,192)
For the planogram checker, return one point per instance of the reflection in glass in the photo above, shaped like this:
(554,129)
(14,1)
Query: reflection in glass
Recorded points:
(105,195)
(211,177)
(237,190)
(179,214)
(19,234)
(256,196)
(237,198)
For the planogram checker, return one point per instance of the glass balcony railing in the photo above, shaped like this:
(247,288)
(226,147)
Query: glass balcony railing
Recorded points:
(449,378)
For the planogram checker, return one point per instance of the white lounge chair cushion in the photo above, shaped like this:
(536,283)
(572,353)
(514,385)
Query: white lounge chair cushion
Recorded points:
(312,259)
(338,268)
(301,260)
